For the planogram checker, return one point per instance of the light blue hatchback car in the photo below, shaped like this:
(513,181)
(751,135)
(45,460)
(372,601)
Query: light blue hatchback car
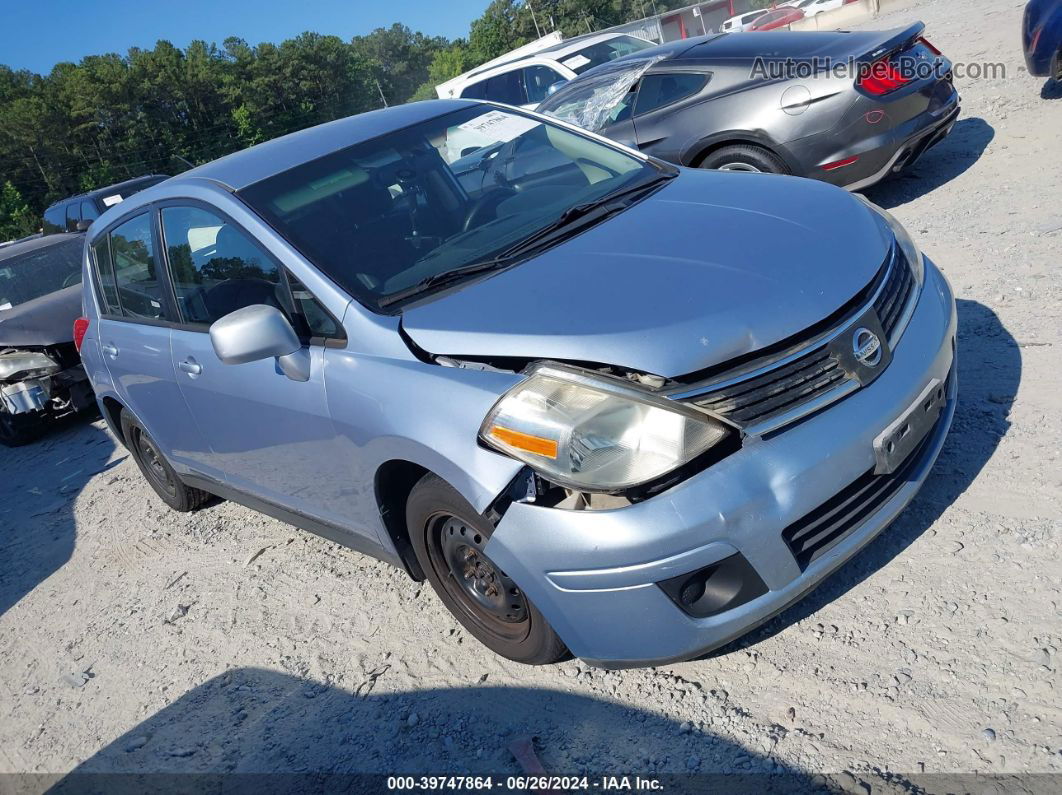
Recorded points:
(602,404)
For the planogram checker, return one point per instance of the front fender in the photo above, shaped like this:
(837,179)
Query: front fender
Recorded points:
(386,409)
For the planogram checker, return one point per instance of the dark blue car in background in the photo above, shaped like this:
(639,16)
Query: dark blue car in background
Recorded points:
(1042,38)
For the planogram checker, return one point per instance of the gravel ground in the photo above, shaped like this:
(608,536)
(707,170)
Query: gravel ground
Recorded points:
(137,639)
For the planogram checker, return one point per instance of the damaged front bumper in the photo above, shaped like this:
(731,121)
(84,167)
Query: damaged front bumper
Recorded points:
(604,579)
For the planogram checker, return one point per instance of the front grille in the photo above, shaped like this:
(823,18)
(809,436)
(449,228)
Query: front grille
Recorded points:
(894,296)
(816,373)
(814,534)
(777,390)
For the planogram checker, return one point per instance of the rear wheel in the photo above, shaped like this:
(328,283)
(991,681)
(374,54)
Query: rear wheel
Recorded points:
(449,537)
(157,470)
(744,158)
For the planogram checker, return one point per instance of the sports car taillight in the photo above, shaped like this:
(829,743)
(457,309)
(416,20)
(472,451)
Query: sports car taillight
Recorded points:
(881,78)
(931,48)
(81,327)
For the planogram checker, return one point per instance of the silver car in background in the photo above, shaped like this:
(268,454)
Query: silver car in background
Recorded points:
(603,404)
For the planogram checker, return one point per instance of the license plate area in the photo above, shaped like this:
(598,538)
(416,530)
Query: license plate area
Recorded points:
(899,440)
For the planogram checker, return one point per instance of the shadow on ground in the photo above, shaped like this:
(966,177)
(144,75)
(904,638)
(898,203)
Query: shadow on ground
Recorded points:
(257,730)
(40,483)
(1052,89)
(949,159)
(989,367)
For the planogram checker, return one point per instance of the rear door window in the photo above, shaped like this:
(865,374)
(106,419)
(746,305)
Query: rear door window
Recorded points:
(508,88)
(537,80)
(129,277)
(73,215)
(89,211)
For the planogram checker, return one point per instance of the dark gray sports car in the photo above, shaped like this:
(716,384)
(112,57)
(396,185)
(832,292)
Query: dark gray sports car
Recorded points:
(846,108)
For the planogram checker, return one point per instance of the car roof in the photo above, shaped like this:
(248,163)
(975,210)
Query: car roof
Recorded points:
(243,168)
(117,187)
(671,51)
(555,52)
(36,244)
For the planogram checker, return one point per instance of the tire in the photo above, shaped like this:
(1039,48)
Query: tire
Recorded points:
(448,533)
(744,158)
(19,430)
(157,470)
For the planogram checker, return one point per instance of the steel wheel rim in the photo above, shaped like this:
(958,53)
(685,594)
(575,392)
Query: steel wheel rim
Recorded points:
(745,167)
(484,592)
(152,459)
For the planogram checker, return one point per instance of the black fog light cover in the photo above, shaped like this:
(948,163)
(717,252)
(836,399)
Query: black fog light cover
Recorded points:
(715,589)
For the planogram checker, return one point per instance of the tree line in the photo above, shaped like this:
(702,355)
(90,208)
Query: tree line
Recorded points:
(111,117)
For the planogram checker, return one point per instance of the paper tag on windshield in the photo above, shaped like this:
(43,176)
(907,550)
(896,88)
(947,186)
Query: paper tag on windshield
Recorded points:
(4,307)
(110,201)
(499,126)
(576,61)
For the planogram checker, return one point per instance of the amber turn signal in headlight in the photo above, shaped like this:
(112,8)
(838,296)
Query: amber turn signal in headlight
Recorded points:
(593,434)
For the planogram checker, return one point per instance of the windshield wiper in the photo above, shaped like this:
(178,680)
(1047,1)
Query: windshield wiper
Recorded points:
(569,222)
(446,277)
(581,215)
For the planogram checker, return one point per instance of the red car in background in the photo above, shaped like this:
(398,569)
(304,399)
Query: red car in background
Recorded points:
(778,18)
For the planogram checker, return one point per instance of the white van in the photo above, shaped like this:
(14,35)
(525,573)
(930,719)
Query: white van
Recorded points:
(526,79)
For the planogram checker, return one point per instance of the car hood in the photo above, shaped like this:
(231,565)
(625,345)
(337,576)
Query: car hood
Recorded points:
(48,320)
(711,267)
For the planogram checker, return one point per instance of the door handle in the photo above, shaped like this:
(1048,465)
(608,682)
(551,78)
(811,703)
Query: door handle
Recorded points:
(110,350)
(191,366)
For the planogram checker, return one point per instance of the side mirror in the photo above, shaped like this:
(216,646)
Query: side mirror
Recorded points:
(260,332)
(83,225)
(555,87)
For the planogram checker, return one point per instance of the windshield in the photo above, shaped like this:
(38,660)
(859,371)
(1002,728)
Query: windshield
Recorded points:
(603,52)
(454,191)
(36,273)
(600,99)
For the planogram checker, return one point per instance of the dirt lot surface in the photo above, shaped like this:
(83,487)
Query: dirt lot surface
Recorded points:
(133,638)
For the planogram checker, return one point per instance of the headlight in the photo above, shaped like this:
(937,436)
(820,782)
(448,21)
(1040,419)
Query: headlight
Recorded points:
(25,364)
(589,434)
(910,249)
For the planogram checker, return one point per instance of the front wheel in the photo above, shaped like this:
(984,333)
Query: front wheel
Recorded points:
(449,537)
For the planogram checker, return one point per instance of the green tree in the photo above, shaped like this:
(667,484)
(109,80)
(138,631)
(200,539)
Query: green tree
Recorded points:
(16,218)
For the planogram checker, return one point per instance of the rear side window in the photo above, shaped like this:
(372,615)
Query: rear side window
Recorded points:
(101,252)
(55,219)
(129,278)
(217,268)
(656,91)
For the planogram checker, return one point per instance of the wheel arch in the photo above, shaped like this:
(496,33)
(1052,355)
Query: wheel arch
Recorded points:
(112,408)
(696,153)
(392,485)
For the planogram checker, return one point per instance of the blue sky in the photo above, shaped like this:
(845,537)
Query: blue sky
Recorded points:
(37,35)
